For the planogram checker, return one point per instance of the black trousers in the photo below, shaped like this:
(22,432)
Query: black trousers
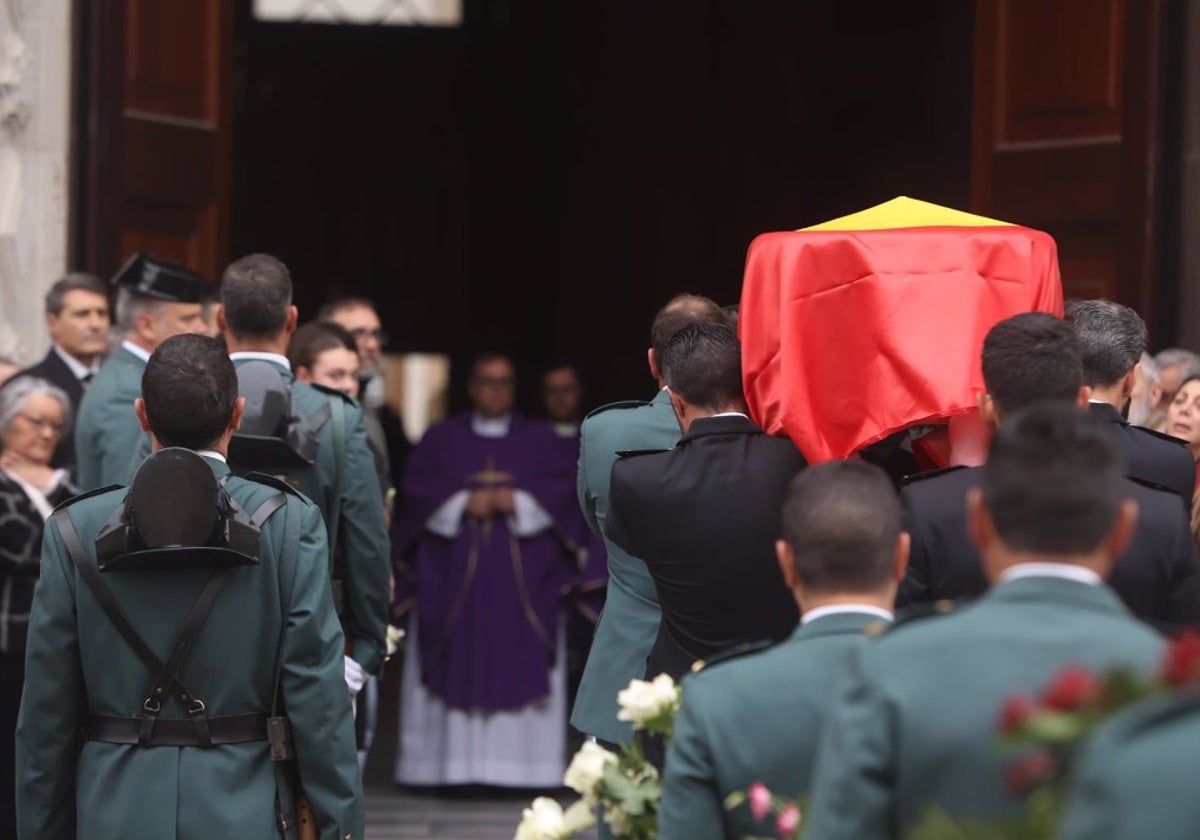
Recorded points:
(12,680)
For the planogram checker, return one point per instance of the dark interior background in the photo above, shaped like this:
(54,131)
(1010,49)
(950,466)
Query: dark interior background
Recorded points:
(541,179)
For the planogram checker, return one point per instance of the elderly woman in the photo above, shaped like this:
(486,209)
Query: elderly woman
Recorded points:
(32,413)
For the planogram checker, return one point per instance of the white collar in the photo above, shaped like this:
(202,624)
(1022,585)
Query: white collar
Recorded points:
(77,367)
(565,430)
(1065,571)
(726,414)
(496,427)
(260,356)
(839,609)
(209,453)
(141,352)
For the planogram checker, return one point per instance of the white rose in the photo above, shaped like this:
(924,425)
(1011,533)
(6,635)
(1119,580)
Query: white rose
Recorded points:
(579,816)
(644,701)
(542,820)
(618,821)
(586,768)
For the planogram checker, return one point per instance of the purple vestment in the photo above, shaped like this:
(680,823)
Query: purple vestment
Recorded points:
(487,601)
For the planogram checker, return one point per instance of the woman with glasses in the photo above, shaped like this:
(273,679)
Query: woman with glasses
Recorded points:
(32,417)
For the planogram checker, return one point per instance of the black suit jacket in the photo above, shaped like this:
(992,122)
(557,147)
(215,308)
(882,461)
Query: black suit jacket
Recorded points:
(705,516)
(55,371)
(1157,576)
(1153,458)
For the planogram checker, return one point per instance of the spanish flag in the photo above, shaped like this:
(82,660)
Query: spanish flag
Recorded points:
(866,325)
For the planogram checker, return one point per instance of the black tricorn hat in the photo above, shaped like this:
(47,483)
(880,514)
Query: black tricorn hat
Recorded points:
(153,278)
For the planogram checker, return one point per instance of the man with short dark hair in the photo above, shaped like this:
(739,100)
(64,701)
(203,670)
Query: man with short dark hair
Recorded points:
(155,300)
(562,396)
(1112,339)
(77,319)
(914,723)
(257,317)
(627,629)
(704,516)
(487,497)
(246,625)
(1027,359)
(842,555)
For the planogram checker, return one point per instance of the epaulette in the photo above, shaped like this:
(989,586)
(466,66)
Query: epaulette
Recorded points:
(922,476)
(731,654)
(276,482)
(909,616)
(337,392)
(633,453)
(68,502)
(618,404)
(1160,435)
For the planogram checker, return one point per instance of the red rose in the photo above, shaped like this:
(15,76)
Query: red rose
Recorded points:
(760,801)
(788,822)
(1027,771)
(1072,688)
(1181,664)
(1015,712)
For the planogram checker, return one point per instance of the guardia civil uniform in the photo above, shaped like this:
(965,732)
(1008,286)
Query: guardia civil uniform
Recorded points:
(79,665)
(754,715)
(1137,776)
(629,623)
(914,724)
(106,428)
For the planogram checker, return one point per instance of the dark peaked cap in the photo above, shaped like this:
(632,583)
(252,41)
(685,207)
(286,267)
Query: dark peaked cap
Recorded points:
(146,276)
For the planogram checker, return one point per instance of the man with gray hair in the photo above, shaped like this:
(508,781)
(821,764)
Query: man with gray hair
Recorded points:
(1112,339)
(155,300)
(1147,393)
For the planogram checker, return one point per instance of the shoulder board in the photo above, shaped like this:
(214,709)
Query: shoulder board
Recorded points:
(337,392)
(633,453)
(731,654)
(911,615)
(1152,485)
(618,404)
(1159,435)
(917,477)
(68,502)
(276,482)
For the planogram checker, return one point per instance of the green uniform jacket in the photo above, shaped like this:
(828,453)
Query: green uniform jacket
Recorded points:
(363,532)
(1139,776)
(914,723)
(77,661)
(107,430)
(629,623)
(754,718)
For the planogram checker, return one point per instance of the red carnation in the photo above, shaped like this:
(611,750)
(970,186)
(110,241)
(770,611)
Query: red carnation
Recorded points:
(1028,771)
(1181,664)
(1072,688)
(1016,712)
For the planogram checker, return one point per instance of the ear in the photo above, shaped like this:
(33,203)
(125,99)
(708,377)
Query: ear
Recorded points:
(219,314)
(235,419)
(139,408)
(51,320)
(146,325)
(900,557)
(1085,394)
(980,526)
(293,318)
(1130,380)
(1121,535)
(1156,394)
(987,410)
(303,374)
(677,404)
(787,563)
(653,362)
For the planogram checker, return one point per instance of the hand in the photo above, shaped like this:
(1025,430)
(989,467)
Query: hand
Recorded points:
(355,677)
(481,504)
(503,500)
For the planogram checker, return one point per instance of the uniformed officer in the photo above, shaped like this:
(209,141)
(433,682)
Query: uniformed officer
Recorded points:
(155,300)
(184,630)
(335,467)
(757,715)
(1136,777)
(1112,339)
(629,622)
(914,723)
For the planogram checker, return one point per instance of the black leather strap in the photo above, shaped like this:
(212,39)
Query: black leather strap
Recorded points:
(169,672)
(176,732)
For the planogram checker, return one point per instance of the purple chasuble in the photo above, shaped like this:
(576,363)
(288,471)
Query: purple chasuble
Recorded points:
(487,602)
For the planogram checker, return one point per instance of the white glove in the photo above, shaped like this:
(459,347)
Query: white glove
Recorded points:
(356,677)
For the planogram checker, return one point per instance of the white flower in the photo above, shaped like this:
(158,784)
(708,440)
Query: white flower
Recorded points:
(586,769)
(618,821)
(643,701)
(542,820)
(579,816)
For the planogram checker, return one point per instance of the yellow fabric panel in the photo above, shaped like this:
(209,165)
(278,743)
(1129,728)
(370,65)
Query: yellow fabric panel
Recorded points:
(905,212)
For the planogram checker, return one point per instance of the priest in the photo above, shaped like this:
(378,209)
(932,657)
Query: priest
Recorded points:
(484,563)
